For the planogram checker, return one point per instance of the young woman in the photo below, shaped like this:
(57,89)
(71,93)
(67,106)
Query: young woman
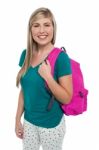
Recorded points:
(40,126)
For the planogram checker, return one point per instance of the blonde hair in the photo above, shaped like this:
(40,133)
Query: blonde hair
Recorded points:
(31,44)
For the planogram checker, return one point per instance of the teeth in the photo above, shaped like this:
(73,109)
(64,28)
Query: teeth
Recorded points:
(42,36)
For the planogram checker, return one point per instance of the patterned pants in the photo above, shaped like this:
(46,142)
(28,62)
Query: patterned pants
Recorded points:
(48,138)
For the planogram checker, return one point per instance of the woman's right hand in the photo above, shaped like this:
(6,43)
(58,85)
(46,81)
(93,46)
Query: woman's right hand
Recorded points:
(19,129)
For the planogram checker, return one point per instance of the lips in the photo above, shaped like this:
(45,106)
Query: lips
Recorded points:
(42,36)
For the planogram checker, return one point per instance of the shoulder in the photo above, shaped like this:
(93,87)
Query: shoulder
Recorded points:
(23,52)
(63,56)
(22,57)
(60,54)
(63,64)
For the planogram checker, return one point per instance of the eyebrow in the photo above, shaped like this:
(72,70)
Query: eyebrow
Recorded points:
(39,23)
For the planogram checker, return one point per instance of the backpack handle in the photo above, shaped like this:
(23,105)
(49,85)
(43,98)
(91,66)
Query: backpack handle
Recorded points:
(63,48)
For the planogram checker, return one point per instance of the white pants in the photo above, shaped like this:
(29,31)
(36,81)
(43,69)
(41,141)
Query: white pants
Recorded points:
(48,138)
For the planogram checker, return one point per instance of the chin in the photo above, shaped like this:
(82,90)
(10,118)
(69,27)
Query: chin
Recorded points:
(43,43)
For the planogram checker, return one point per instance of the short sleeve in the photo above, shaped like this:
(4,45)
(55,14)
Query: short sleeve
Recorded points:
(22,58)
(62,65)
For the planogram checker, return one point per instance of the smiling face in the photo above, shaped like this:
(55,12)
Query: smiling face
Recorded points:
(42,31)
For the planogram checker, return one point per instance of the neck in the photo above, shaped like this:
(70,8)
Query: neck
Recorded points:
(45,48)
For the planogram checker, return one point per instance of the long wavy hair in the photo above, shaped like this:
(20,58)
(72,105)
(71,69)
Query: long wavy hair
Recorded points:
(31,44)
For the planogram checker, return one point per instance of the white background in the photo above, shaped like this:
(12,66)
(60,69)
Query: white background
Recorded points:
(78,31)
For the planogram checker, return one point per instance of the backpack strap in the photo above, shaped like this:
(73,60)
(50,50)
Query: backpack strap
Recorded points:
(52,57)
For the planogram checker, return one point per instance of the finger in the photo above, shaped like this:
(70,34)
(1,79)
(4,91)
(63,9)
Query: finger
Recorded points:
(20,134)
(40,66)
(47,61)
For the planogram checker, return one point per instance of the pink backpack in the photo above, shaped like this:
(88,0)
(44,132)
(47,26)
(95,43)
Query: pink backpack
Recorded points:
(78,102)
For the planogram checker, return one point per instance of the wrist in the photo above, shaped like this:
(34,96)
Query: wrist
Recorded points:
(18,119)
(49,78)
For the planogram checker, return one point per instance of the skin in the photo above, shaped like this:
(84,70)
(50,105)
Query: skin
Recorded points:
(42,33)
(20,110)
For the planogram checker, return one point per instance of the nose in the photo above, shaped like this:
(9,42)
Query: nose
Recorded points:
(41,29)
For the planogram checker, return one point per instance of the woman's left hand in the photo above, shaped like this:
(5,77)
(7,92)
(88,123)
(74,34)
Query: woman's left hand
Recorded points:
(45,70)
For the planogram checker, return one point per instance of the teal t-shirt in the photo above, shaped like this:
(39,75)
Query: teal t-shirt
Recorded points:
(36,96)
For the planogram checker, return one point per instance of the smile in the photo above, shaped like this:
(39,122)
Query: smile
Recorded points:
(42,36)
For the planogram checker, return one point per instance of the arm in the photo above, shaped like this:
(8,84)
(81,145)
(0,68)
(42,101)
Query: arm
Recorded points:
(20,107)
(20,110)
(62,90)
